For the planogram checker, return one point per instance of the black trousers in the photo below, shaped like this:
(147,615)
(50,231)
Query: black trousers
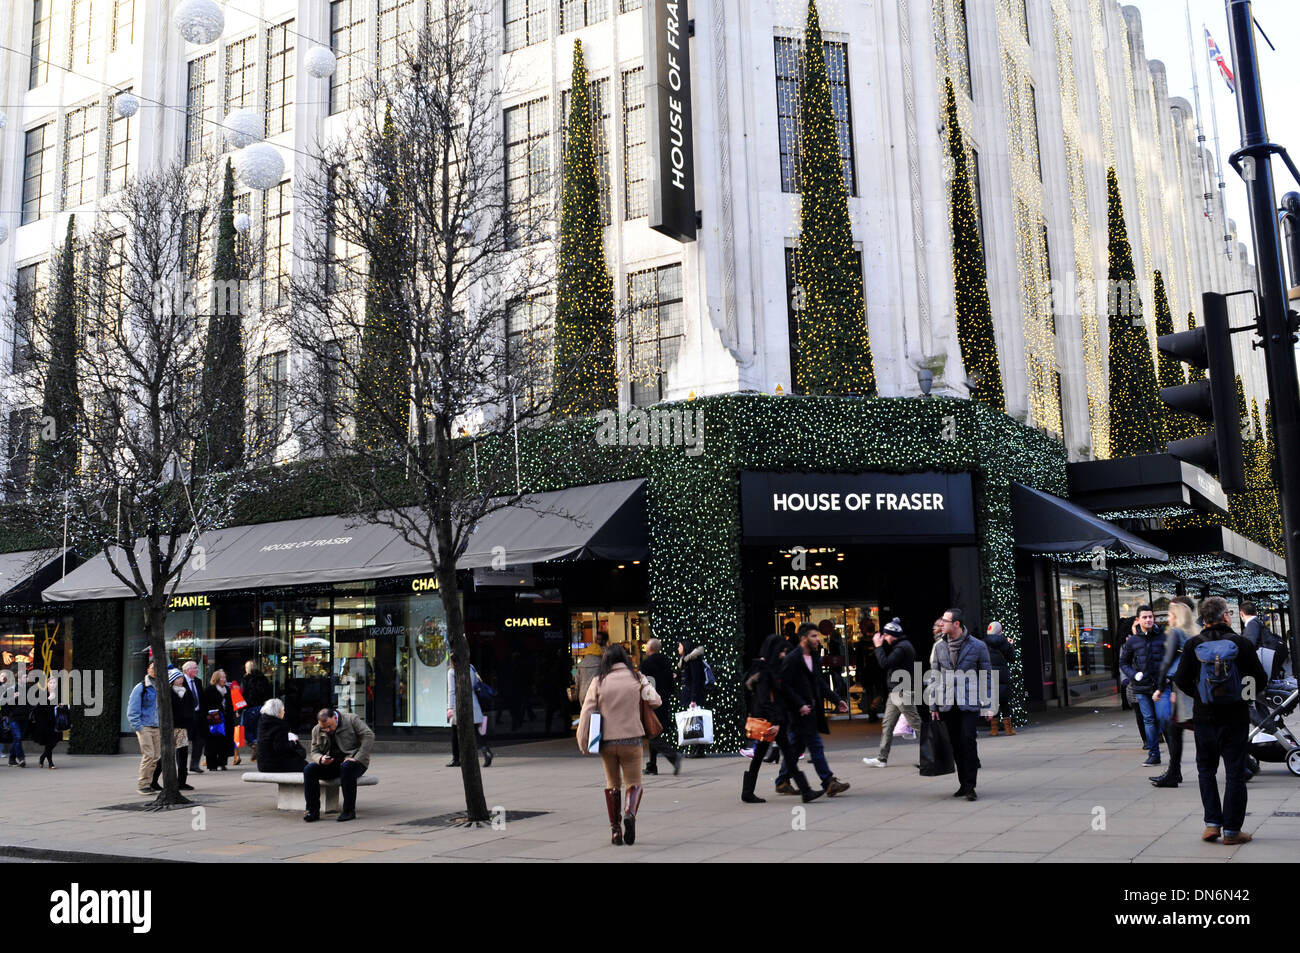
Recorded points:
(658,744)
(346,771)
(1229,743)
(961,731)
(198,738)
(455,743)
(182,766)
(761,748)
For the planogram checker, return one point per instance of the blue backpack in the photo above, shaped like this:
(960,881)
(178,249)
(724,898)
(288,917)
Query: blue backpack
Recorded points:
(1219,682)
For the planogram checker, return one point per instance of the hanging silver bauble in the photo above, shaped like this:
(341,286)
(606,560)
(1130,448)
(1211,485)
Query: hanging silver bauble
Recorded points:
(243,222)
(199,21)
(259,166)
(241,127)
(125,105)
(320,62)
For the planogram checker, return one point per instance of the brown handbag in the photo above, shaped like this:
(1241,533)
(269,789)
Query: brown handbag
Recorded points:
(760,729)
(650,725)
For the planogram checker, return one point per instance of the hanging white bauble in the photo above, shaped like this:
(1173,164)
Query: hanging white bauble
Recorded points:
(4,233)
(241,127)
(125,105)
(375,193)
(320,62)
(260,165)
(243,222)
(199,21)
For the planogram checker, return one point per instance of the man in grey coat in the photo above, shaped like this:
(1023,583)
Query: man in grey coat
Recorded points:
(962,673)
(340,748)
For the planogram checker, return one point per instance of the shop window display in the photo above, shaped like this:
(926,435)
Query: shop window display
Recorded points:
(1089,646)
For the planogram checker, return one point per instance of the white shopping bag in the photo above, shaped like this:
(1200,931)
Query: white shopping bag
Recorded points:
(695,726)
(593,734)
(903,729)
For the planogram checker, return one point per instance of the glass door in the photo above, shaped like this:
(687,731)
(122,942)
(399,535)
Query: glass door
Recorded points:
(353,670)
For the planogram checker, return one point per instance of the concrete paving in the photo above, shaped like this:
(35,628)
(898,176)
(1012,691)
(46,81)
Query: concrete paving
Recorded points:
(1068,788)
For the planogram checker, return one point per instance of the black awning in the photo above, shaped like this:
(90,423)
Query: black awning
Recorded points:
(1049,524)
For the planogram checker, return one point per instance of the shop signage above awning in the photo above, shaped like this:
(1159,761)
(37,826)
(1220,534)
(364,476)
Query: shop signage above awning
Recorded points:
(1049,524)
(781,508)
(606,521)
(1147,485)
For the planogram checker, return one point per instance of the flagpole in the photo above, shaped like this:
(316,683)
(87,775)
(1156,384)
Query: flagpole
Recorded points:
(1200,130)
(1218,159)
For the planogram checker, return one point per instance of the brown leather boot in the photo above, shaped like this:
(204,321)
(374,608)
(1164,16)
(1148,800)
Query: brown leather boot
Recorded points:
(1007,726)
(634,793)
(611,806)
(993,727)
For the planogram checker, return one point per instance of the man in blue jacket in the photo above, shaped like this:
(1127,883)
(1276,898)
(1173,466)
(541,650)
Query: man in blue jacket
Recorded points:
(1140,660)
(142,716)
(962,668)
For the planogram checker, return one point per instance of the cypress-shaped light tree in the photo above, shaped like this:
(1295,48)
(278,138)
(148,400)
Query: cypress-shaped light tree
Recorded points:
(1258,481)
(979,349)
(58,451)
(1175,425)
(1240,509)
(586,379)
(1272,498)
(834,347)
(383,394)
(224,401)
(1134,407)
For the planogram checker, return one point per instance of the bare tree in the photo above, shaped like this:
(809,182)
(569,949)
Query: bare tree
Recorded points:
(419,315)
(135,496)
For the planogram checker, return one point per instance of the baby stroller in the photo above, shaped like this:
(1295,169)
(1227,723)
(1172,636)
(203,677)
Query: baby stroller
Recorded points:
(1270,739)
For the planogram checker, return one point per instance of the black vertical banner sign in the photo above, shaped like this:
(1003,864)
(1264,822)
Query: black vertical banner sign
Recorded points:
(668,102)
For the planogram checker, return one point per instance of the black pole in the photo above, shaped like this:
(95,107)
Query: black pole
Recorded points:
(1275,322)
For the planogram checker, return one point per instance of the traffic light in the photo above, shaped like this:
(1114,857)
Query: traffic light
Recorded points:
(1208,347)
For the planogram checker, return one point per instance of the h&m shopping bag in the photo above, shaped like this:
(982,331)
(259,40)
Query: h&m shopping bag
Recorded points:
(936,749)
(695,726)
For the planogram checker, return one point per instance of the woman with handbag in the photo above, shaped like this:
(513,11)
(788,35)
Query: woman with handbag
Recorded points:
(480,719)
(1172,709)
(221,722)
(769,720)
(278,749)
(624,703)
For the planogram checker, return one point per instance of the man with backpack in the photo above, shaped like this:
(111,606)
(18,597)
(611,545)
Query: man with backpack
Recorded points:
(1221,673)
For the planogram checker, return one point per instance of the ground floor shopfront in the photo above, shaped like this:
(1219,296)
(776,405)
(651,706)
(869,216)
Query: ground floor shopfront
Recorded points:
(844,511)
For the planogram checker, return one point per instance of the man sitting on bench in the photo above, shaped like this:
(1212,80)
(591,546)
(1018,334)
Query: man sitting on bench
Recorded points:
(340,748)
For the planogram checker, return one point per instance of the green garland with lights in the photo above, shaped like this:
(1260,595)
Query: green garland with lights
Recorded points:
(382,401)
(834,346)
(979,348)
(585,372)
(57,456)
(224,401)
(1134,408)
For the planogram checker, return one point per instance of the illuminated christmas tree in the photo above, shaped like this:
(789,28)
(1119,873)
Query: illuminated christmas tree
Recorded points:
(1268,474)
(223,359)
(1134,408)
(383,370)
(57,451)
(834,349)
(585,373)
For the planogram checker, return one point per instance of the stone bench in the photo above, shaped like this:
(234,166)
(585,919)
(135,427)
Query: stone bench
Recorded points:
(291,793)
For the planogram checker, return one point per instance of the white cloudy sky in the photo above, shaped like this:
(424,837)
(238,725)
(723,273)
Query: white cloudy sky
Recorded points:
(1164,24)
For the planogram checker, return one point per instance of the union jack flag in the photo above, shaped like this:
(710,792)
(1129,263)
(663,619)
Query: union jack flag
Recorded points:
(1216,55)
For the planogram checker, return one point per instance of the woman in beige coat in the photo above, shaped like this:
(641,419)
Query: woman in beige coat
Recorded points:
(616,693)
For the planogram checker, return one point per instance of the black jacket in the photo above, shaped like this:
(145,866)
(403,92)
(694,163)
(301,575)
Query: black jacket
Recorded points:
(658,667)
(900,655)
(1001,655)
(1143,653)
(693,687)
(1236,714)
(767,702)
(275,752)
(40,725)
(182,708)
(256,688)
(1252,631)
(801,687)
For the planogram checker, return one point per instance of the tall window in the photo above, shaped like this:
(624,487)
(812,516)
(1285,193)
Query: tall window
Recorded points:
(348,40)
(40,65)
(963,54)
(393,29)
(272,405)
(201,108)
(789,80)
(241,73)
(22,445)
(1033,137)
(83,45)
(530,334)
(636,197)
(276,227)
(527,22)
(345,259)
(26,293)
(627,6)
(338,388)
(599,92)
(117,167)
(38,173)
(80,143)
(656,327)
(279,78)
(123,24)
(575,14)
(528,163)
